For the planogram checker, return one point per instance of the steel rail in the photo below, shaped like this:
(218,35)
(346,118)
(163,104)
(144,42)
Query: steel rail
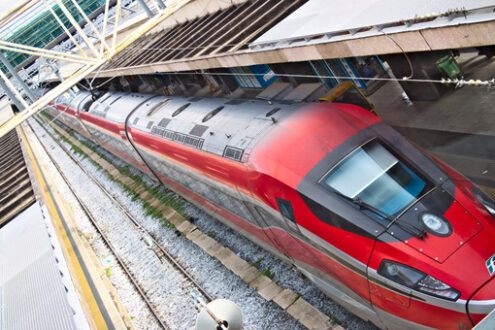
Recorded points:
(91,218)
(171,260)
(168,256)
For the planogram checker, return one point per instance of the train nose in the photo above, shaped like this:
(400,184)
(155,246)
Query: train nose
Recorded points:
(447,224)
(482,302)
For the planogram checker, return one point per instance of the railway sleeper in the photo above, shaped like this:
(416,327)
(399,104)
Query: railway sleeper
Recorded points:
(291,302)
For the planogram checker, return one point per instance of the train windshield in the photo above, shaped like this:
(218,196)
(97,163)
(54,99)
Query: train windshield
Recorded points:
(374,177)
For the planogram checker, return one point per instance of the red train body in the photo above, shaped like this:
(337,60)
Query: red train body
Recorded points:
(394,236)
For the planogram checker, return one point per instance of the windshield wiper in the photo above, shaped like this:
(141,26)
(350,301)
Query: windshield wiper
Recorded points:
(415,231)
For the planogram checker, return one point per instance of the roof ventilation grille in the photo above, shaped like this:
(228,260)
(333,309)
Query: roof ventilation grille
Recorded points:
(198,130)
(233,153)
(188,140)
(164,122)
(156,130)
(272,112)
(182,108)
(235,102)
(157,106)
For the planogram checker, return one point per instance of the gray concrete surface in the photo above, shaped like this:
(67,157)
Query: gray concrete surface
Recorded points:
(5,112)
(469,109)
(458,128)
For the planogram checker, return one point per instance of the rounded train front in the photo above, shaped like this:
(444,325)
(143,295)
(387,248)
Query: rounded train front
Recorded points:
(393,235)
(409,225)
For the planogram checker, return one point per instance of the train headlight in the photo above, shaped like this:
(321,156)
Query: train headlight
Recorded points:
(435,224)
(485,200)
(417,280)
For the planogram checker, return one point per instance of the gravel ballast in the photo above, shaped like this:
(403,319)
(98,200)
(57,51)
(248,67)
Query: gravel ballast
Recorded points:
(218,281)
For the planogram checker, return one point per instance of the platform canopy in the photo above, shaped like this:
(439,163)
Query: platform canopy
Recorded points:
(321,17)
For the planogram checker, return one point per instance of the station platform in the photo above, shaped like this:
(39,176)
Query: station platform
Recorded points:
(50,277)
(35,284)
(5,111)
(458,128)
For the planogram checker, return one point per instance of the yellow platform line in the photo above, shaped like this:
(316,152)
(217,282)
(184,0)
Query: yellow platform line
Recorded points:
(46,193)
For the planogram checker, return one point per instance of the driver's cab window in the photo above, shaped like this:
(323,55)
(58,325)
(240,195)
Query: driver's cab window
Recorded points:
(373,177)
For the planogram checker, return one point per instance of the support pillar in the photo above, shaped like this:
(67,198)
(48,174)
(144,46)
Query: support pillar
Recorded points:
(424,67)
(146,8)
(11,95)
(161,4)
(16,76)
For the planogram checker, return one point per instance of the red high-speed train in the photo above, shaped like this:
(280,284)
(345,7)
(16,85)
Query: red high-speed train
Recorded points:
(393,235)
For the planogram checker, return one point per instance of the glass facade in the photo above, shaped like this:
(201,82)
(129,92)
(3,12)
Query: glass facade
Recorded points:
(42,28)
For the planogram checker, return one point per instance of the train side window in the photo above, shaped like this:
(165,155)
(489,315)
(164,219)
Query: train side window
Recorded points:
(285,208)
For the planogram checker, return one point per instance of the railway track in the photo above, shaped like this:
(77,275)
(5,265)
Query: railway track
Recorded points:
(251,267)
(198,296)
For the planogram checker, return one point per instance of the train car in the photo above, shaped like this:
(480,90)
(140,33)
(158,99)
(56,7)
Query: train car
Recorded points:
(390,233)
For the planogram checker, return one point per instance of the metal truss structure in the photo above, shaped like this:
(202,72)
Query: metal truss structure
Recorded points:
(90,56)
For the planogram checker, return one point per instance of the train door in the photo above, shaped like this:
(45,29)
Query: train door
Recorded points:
(264,218)
(283,230)
(293,240)
(82,105)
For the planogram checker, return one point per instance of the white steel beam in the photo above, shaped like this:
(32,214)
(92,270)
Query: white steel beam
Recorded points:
(104,29)
(47,98)
(14,47)
(88,21)
(15,12)
(13,89)
(54,14)
(16,76)
(11,95)
(78,28)
(116,24)
(90,66)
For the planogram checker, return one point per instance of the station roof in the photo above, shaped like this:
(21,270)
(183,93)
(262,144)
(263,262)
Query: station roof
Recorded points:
(237,33)
(319,17)
(16,192)
(223,31)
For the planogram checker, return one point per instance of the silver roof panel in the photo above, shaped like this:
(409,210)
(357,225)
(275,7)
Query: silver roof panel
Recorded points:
(236,125)
(115,106)
(74,103)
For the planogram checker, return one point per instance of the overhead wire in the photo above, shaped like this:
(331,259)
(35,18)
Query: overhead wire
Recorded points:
(409,78)
(472,82)
(457,82)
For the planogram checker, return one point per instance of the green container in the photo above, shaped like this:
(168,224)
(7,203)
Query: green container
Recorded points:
(448,67)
